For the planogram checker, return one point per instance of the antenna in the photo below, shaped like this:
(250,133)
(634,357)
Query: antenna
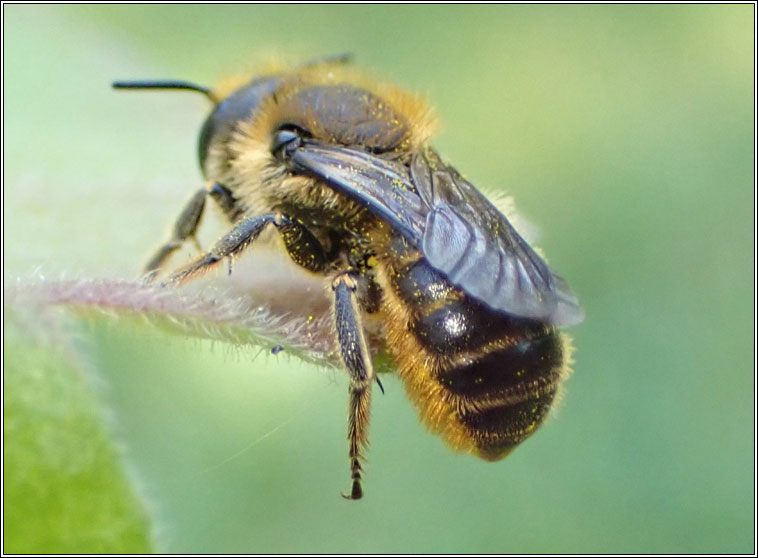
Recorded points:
(179,85)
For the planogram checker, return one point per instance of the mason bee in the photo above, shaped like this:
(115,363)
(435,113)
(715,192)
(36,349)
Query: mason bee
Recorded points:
(340,166)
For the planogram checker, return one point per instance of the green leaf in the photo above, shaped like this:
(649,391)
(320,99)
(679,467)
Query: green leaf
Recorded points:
(66,488)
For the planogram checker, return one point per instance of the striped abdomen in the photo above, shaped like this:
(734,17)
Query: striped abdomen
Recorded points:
(483,379)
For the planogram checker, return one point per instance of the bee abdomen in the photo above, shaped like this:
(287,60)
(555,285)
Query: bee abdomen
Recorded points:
(521,367)
(496,375)
(447,322)
(462,325)
(504,394)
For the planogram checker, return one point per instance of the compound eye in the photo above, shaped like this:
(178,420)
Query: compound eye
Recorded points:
(286,140)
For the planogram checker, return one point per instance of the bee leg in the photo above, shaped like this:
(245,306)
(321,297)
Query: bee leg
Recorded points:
(226,201)
(184,228)
(357,360)
(303,247)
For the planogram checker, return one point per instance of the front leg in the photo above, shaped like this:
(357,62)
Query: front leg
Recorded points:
(186,224)
(184,229)
(302,246)
(357,361)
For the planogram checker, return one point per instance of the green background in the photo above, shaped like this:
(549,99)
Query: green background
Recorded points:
(625,134)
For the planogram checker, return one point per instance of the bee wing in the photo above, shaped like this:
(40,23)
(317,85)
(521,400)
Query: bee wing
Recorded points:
(382,185)
(473,243)
(457,229)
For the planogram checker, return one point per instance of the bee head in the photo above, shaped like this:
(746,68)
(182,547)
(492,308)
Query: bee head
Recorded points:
(341,114)
(222,122)
(253,128)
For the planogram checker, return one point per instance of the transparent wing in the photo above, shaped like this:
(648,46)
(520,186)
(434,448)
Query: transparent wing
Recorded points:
(473,243)
(457,229)
(381,185)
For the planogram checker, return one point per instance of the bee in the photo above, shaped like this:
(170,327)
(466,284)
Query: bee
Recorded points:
(341,167)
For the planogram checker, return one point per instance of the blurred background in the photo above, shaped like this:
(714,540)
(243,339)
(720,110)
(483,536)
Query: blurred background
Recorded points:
(625,135)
